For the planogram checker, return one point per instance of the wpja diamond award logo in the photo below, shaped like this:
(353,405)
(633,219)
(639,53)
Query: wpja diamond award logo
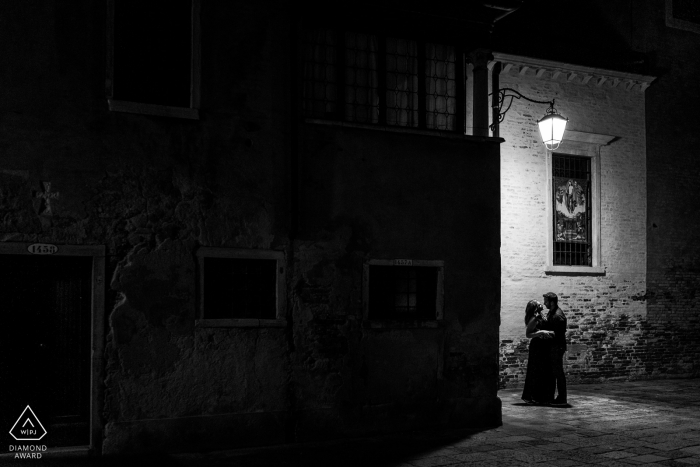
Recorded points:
(28,428)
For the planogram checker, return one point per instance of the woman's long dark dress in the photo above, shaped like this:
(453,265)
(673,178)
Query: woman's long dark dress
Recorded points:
(539,378)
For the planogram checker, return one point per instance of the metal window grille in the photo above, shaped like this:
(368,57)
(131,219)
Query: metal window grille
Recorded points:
(367,78)
(401,82)
(320,74)
(403,292)
(440,87)
(572,209)
(361,78)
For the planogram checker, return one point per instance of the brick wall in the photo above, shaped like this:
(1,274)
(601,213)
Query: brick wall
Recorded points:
(609,335)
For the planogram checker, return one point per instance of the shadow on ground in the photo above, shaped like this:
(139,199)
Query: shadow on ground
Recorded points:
(393,450)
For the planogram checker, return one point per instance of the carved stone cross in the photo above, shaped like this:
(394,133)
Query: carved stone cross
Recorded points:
(46,197)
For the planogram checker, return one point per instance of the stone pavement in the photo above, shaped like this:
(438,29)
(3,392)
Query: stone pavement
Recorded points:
(650,423)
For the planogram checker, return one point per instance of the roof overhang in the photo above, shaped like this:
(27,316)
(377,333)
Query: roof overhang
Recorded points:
(549,69)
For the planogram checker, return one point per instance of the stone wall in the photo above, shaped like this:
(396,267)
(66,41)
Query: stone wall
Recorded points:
(378,195)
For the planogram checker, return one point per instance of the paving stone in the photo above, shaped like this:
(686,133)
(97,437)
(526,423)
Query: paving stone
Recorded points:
(558,447)
(675,454)
(433,461)
(677,443)
(617,454)
(647,458)
(475,456)
(602,448)
(688,460)
(673,463)
(644,450)
(646,423)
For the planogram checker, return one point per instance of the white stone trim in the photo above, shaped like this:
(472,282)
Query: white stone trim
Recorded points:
(572,73)
(587,145)
(243,253)
(672,22)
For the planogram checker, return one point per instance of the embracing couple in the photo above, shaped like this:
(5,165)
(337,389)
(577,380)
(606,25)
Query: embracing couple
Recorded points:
(545,364)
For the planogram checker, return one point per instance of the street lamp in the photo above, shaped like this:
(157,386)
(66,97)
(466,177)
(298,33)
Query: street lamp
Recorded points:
(551,126)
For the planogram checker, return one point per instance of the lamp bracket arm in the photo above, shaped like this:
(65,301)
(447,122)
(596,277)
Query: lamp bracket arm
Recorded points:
(511,93)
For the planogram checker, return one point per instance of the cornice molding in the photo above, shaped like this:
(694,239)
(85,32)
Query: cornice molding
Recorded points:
(571,73)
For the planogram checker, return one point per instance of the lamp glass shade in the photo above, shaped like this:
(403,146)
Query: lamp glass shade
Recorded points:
(552,128)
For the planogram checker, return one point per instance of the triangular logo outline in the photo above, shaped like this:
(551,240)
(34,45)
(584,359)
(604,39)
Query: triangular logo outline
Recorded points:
(26,416)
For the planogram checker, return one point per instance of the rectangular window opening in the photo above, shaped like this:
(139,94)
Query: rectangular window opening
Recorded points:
(241,285)
(153,56)
(404,293)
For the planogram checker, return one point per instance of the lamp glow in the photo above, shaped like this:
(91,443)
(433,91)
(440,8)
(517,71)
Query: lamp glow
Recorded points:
(552,127)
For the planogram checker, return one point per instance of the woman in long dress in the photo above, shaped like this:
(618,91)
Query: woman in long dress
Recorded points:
(539,379)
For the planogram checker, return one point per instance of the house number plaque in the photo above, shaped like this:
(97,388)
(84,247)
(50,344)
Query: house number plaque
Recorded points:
(403,262)
(42,249)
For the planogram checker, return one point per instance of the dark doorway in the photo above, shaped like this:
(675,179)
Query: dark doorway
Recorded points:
(45,342)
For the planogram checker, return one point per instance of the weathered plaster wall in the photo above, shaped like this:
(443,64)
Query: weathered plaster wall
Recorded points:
(605,313)
(382,195)
(153,189)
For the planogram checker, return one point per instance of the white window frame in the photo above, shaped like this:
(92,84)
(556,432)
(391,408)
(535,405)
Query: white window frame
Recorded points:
(191,112)
(439,296)
(586,145)
(240,253)
(673,22)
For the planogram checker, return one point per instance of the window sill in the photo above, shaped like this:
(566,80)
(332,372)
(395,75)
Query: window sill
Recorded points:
(396,129)
(574,271)
(240,323)
(153,109)
(393,324)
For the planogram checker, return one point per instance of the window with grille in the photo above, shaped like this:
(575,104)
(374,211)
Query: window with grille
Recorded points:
(365,78)
(404,293)
(572,210)
(241,284)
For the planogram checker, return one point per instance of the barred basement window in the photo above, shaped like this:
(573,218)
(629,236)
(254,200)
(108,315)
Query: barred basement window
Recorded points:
(240,287)
(411,291)
(572,210)
(366,78)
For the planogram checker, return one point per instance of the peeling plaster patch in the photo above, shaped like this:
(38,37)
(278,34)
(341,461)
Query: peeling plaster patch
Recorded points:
(126,322)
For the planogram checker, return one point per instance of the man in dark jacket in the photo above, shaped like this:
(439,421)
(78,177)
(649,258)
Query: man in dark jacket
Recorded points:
(556,321)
